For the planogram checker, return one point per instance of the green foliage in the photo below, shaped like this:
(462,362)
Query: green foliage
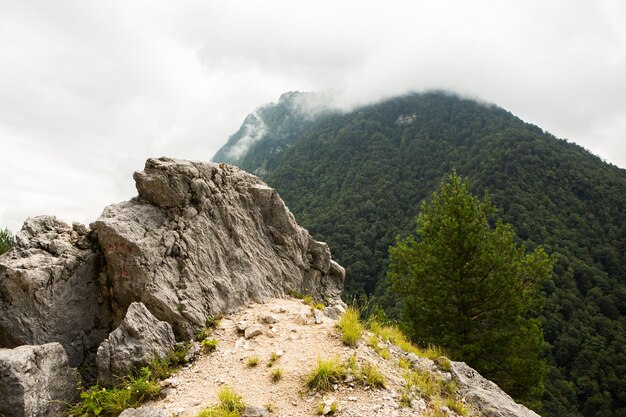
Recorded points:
(209,345)
(131,392)
(276,374)
(6,240)
(350,326)
(230,404)
(372,376)
(469,287)
(252,362)
(326,373)
(356,180)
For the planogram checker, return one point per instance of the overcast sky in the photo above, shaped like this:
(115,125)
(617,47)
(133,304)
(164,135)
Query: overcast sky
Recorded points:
(90,89)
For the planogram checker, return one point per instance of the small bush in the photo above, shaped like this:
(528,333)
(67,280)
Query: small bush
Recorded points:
(252,361)
(350,326)
(276,374)
(325,374)
(321,409)
(209,345)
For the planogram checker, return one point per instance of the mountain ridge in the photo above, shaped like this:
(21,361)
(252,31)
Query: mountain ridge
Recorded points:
(356,180)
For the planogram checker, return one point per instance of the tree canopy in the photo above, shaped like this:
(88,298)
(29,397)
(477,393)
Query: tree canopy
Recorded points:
(470,288)
(6,240)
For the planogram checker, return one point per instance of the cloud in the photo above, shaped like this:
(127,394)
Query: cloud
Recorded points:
(90,89)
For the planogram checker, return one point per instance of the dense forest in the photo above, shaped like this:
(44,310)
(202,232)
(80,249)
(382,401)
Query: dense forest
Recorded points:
(357,179)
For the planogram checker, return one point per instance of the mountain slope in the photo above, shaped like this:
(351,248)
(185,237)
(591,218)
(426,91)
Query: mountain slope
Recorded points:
(356,180)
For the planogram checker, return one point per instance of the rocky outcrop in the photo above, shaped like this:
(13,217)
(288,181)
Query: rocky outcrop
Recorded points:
(49,290)
(204,239)
(135,343)
(490,400)
(35,381)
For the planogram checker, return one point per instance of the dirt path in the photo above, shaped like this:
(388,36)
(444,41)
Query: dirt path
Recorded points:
(196,385)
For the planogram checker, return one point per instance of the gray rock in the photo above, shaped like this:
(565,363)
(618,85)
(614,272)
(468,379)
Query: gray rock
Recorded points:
(253,330)
(144,412)
(334,312)
(207,239)
(137,341)
(485,395)
(318,316)
(36,381)
(268,318)
(49,290)
(253,411)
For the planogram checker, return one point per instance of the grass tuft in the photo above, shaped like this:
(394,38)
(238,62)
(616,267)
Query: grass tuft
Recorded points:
(325,374)
(276,374)
(350,326)
(131,392)
(209,345)
(230,404)
(371,376)
(252,361)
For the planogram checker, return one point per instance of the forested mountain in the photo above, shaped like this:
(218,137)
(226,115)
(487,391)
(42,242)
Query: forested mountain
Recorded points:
(356,180)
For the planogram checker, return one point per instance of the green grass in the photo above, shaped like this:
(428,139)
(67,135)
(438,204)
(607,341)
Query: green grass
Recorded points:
(443,363)
(252,362)
(230,404)
(326,373)
(372,376)
(209,345)
(131,392)
(276,374)
(273,358)
(163,368)
(212,322)
(203,333)
(394,335)
(350,326)
(333,409)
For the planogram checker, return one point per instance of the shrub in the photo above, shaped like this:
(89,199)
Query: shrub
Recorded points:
(350,326)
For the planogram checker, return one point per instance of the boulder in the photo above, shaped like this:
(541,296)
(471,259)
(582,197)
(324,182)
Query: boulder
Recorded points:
(36,381)
(134,344)
(49,290)
(207,239)
(490,400)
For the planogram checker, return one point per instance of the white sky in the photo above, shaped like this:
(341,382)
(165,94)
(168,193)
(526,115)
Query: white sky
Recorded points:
(90,89)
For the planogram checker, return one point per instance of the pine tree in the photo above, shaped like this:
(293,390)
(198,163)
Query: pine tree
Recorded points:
(6,240)
(467,286)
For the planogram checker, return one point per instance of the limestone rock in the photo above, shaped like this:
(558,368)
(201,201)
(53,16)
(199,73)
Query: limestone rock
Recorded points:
(207,239)
(49,290)
(144,412)
(138,339)
(253,330)
(485,395)
(36,381)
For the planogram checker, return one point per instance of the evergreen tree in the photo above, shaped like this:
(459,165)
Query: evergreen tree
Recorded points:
(6,240)
(468,287)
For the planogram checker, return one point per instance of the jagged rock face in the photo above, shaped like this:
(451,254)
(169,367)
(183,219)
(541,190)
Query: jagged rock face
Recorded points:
(204,239)
(486,395)
(138,340)
(36,381)
(49,289)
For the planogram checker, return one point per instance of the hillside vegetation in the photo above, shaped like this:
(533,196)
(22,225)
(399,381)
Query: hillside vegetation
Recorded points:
(356,180)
